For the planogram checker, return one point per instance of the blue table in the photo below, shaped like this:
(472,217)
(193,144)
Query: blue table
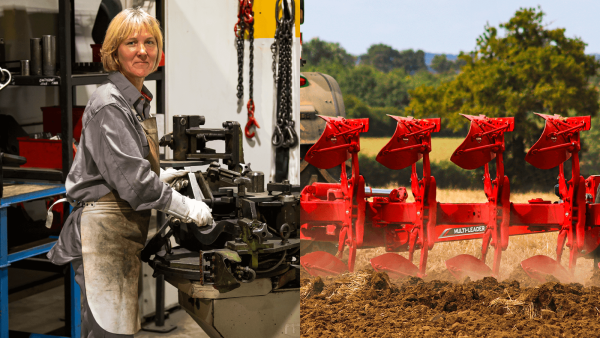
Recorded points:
(18,192)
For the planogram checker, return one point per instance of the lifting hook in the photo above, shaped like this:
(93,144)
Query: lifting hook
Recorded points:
(251,120)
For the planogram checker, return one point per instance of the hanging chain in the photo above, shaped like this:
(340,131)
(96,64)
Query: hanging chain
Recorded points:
(251,61)
(246,20)
(274,48)
(251,120)
(240,55)
(284,134)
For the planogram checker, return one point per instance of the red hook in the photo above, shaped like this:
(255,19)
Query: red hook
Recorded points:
(251,120)
(244,14)
(248,12)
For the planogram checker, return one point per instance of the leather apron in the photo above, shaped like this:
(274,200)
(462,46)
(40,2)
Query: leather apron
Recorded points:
(112,238)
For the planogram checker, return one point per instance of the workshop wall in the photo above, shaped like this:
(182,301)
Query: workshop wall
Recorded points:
(202,74)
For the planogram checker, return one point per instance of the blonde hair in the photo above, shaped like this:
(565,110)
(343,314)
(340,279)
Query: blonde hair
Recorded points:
(123,25)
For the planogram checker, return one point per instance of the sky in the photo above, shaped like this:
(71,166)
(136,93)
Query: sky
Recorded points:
(437,26)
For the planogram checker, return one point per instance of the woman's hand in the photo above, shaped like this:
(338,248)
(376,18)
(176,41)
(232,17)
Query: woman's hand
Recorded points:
(200,213)
(170,174)
(189,210)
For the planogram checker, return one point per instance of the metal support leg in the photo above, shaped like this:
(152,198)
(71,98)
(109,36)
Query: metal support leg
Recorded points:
(72,304)
(72,301)
(3,274)
(159,315)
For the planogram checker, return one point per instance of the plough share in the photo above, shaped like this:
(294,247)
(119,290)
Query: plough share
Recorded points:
(351,215)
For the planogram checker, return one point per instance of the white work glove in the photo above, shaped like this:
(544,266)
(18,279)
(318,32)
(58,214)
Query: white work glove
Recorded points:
(189,210)
(170,174)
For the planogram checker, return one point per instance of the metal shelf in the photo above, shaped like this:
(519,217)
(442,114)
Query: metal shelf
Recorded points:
(76,79)
(98,78)
(36,248)
(17,173)
(20,80)
(50,189)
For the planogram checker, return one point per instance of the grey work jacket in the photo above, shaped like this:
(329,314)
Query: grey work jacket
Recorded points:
(113,147)
(110,156)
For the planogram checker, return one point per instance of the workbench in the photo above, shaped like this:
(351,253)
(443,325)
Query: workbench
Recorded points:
(18,192)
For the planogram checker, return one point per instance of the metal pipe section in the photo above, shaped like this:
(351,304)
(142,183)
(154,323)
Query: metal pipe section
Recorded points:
(25,67)
(370,192)
(258,182)
(35,55)
(49,55)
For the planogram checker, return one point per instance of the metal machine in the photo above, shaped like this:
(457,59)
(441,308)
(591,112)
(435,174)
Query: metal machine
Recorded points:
(188,142)
(240,275)
(342,212)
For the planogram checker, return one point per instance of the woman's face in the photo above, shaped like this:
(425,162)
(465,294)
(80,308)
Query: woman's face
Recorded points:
(137,54)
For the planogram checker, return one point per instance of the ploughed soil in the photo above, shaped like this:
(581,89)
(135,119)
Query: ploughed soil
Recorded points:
(369,304)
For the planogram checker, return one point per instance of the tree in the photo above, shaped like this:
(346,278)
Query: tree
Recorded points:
(382,57)
(413,61)
(441,64)
(380,124)
(385,59)
(317,51)
(530,69)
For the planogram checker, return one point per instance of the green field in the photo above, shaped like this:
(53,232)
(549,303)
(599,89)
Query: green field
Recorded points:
(441,147)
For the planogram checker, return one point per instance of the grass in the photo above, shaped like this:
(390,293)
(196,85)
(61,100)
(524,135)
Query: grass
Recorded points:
(441,147)
(519,247)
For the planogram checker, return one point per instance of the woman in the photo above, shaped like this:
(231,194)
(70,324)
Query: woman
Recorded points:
(116,181)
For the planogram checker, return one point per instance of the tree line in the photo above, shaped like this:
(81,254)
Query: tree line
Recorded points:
(528,69)
(378,82)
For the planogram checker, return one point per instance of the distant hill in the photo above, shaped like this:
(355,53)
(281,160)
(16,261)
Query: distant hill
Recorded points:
(429,57)
(452,57)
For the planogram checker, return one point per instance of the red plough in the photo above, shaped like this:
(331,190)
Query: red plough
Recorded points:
(343,203)
(348,214)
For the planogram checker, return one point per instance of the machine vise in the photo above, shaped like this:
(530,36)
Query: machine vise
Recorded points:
(188,141)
